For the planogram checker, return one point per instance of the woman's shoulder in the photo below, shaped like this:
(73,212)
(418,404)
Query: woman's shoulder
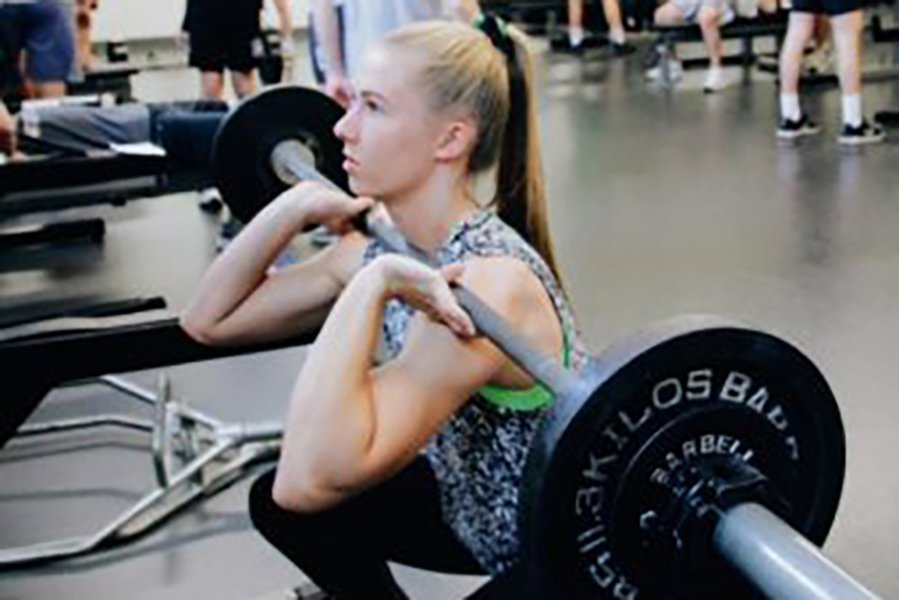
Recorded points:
(503,281)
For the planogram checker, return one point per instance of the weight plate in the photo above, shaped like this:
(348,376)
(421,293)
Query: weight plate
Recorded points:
(691,388)
(248,135)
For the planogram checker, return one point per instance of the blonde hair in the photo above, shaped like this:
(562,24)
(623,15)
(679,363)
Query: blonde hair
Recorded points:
(463,71)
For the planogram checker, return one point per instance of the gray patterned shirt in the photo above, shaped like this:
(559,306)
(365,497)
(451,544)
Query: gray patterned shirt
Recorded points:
(478,456)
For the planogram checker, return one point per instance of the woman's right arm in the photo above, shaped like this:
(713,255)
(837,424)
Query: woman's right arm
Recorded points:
(240,300)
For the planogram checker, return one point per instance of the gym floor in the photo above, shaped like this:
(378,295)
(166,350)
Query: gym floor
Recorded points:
(661,204)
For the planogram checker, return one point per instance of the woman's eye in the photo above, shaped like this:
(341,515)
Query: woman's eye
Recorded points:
(372,105)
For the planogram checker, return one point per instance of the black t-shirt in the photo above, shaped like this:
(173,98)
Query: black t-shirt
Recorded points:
(231,15)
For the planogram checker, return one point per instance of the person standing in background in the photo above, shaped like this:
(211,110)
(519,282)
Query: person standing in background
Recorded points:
(222,35)
(846,18)
(43,30)
(366,22)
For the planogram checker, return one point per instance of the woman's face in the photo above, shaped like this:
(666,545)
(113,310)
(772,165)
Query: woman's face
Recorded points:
(389,133)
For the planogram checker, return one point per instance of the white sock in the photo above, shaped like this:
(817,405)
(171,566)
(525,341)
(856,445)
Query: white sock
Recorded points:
(576,35)
(852,109)
(616,36)
(789,107)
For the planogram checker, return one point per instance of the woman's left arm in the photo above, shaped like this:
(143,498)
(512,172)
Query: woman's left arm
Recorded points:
(351,424)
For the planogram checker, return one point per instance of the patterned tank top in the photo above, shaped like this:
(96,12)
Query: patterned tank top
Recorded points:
(478,456)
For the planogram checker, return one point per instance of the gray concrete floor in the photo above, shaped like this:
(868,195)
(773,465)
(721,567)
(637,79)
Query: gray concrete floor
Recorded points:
(661,204)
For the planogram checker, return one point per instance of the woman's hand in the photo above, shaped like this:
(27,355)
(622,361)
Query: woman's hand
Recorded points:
(426,289)
(320,204)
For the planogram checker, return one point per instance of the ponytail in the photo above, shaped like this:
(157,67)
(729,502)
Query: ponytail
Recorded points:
(520,197)
(487,71)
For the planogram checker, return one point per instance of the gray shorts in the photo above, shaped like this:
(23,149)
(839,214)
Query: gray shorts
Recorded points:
(691,9)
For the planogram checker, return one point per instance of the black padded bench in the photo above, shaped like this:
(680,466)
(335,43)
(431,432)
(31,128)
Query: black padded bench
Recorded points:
(107,177)
(667,37)
(76,344)
(538,16)
(64,180)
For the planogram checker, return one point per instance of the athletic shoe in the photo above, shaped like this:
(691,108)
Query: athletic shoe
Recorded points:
(714,81)
(622,49)
(675,71)
(862,134)
(210,201)
(561,42)
(790,129)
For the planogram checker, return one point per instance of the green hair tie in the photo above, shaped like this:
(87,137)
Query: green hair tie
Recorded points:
(497,30)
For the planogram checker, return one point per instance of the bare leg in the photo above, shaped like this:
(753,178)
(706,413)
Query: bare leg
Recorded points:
(244,83)
(575,14)
(711,34)
(613,17)
(847,37)
(211,85)
(799,32)
(669,68)
(49,89)
(576,24)
(668,15)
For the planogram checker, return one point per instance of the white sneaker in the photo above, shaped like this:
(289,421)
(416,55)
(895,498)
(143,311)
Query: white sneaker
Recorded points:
(714,81)
(675,71)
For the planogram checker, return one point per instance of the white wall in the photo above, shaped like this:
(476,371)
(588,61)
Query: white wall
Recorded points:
(148,19)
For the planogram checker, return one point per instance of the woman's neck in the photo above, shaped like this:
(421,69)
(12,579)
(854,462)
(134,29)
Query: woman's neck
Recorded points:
(426,214)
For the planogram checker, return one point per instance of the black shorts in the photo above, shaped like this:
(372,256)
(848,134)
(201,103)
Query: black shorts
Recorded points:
(831,8)
(216,49)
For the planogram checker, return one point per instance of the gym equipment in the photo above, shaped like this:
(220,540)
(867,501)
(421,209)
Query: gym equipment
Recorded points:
(684,462)
(288,113)
(194,455)
(269,57)
(743,29)
(535,16)
(881,34)
(91,230)
(113,79)
(67,176)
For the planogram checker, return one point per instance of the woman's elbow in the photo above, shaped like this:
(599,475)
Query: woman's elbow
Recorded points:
(200,330)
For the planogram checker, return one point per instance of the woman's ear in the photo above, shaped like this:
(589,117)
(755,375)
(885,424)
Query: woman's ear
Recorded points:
(456,140)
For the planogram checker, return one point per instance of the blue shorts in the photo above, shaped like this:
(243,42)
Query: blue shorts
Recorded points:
(49,43)
(45,34)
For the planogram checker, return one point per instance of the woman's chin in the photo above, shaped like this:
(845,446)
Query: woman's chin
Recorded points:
(359,188)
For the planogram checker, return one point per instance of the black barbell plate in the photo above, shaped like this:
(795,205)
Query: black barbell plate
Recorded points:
(586,480)
(249,134)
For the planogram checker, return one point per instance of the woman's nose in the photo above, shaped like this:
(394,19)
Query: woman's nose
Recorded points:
(346,128)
